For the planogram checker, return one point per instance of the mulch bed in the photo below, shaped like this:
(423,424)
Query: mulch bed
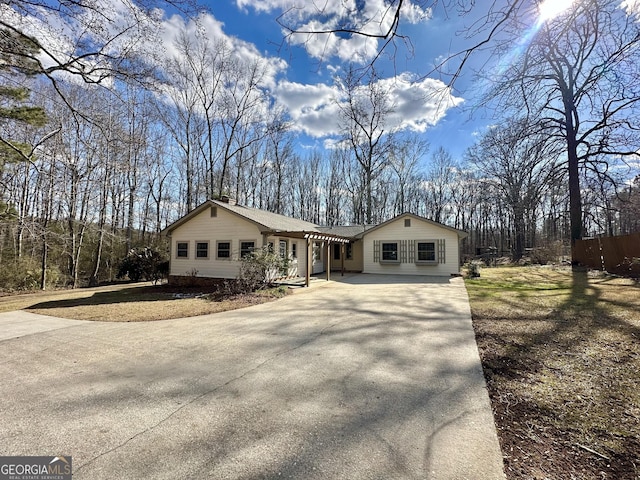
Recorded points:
(536,433)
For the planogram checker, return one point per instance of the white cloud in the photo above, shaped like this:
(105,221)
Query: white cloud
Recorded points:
(313,108)
(631,6)
(127,30)
(208,30)
(114,28)
(417,104)
(309,18)
(50,30)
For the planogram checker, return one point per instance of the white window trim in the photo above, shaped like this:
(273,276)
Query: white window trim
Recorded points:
(255,243)
(208,250)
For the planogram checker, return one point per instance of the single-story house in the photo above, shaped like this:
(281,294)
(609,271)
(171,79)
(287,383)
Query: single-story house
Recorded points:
(209,242)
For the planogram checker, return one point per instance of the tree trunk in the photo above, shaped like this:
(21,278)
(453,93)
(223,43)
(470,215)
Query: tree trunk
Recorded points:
(575,196)
(43,264)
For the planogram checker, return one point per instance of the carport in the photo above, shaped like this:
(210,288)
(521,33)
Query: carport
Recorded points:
(310,238)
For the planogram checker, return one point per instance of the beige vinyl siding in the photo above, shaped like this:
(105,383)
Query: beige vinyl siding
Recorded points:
(203,227)
(298,265)
(418,231)
(224,227)
(354,264)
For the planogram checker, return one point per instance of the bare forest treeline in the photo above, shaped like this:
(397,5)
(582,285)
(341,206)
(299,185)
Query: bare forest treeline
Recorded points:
(115,166)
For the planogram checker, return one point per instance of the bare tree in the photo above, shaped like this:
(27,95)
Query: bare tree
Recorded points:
(405,155)
(578,78)
(364,113)
(439,184)
(202,66)
(280,152)
(182,118)
(518,163)
(627,202)
(92,40)
(242,108)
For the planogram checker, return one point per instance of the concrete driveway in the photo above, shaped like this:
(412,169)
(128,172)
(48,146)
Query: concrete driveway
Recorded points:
(370,377)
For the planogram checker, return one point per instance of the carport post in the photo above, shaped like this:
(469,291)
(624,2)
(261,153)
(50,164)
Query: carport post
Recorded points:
(342,251)
(328,260)
(309,262)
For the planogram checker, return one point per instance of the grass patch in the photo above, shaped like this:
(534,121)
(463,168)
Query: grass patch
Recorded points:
(561,355)
(133,303)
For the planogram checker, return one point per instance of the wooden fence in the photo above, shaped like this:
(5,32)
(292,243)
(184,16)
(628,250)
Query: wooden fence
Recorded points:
(619,255)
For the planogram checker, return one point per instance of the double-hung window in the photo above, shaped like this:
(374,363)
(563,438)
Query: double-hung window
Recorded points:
(182,249)
(389,252)
(246,247)
(223,250)
(202,250)
(426,251)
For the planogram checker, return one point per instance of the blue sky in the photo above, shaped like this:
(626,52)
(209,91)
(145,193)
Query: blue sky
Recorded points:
(301,72)
(432,37)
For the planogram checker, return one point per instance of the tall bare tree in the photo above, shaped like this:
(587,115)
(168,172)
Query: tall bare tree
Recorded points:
(578,78)
(243,108)
(518,163)
(365,108)
(405,155)
(439,184)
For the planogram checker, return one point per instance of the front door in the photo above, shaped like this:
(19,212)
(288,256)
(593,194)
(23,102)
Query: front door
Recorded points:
(318,264)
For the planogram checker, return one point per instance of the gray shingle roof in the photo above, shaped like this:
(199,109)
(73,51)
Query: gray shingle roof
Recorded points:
(269,220)
(350,231)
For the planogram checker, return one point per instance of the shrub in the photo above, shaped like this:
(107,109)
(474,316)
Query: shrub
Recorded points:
(547,254)
(259,269)
(473,268)
(143,264)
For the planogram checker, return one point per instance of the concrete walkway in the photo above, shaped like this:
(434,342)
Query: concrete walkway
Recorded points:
(366,377)
(21,323)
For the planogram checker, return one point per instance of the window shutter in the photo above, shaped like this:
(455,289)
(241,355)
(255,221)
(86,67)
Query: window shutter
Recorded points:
(403,251)
(441,251)
(411,250)
(376,250)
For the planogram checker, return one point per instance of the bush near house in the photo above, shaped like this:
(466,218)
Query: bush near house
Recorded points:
(143,264)
(258,270)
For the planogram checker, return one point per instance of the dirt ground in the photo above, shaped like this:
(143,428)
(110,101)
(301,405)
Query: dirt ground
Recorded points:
(137,302)
(561,356)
